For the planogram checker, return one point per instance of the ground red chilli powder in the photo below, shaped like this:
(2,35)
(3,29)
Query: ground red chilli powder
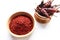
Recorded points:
(21,25)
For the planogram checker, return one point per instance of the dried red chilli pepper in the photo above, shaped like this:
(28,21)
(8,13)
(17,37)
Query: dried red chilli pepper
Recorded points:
(51,10)
(42,3)
(48,4)
(44,11)
(21,25)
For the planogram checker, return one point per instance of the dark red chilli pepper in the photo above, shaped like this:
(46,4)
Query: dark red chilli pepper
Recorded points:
(51,10)
(42,3)
(48,4)
(44,11)
(21,25)
(38,8)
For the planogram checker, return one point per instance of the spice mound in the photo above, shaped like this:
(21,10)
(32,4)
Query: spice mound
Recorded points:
(21,25)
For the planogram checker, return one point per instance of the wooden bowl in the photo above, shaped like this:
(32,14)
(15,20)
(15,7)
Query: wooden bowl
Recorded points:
(41,19)
(17,14)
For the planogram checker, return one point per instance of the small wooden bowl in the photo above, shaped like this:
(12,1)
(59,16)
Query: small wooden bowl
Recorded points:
(41,19)
(17,14)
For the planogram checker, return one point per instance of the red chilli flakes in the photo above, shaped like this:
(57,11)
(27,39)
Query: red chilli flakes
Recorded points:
(21,25)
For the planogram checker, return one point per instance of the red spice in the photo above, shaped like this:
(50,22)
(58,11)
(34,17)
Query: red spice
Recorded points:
(21,25)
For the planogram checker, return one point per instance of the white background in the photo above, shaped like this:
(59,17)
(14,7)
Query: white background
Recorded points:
(50,31)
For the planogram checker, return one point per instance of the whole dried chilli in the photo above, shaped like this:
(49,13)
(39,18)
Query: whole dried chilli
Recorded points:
(51,10)
(44,11)
(48,4)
